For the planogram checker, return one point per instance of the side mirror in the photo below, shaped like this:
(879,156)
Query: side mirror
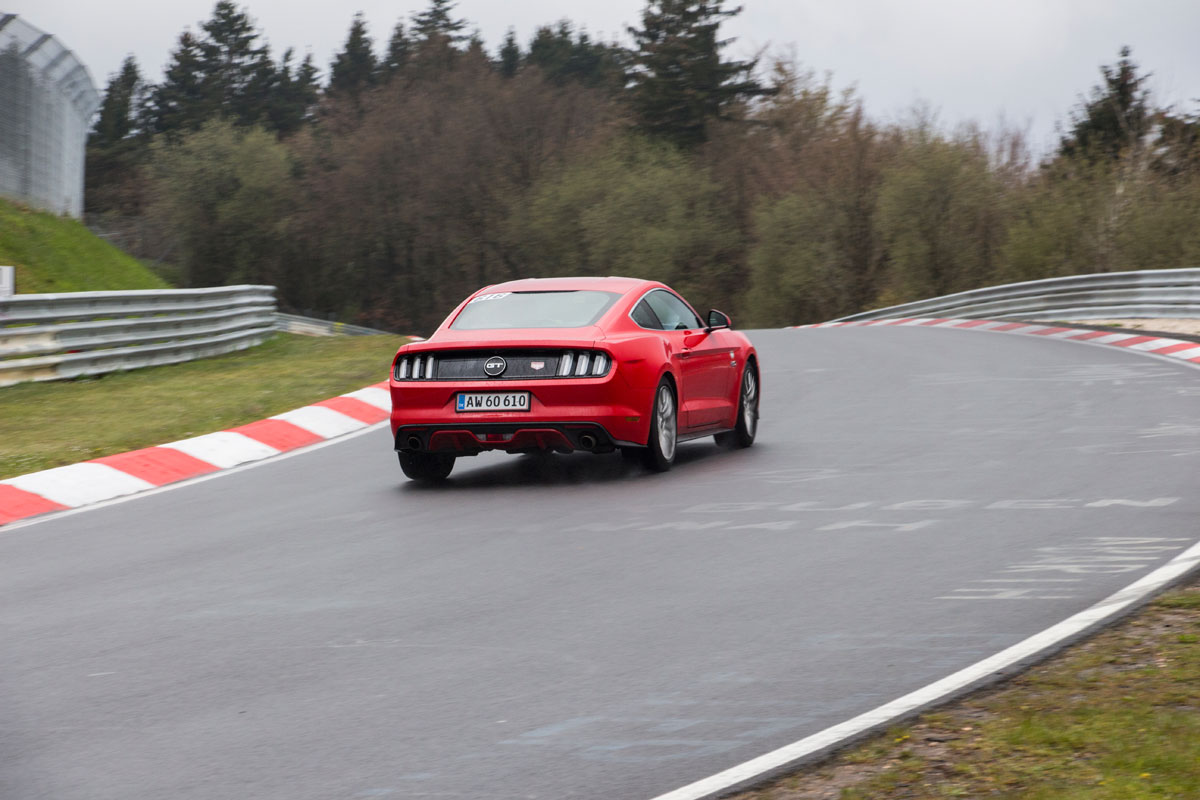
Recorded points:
(717,320)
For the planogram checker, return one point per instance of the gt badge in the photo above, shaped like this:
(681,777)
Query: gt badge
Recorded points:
(536,365)
(494,366)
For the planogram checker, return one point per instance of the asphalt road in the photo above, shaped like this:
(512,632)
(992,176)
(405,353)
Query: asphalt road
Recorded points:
(316,627)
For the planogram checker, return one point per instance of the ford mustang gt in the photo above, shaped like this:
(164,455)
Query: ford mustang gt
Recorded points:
(566,364)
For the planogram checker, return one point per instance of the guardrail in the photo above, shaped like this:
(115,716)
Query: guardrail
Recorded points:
(1172,293)
(310,326)
(54,336)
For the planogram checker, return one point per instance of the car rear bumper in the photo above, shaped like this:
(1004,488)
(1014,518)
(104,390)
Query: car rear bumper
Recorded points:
(595,415)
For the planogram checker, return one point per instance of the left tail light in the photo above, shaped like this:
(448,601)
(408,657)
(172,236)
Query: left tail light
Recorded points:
(415,368)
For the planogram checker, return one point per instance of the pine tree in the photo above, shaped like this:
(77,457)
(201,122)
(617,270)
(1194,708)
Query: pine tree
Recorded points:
(116,146)
(398,51)
(437,38)
(238,71)
(435,22)
(119,113)
(294,94)
(353,69)
(679,84)
(224,72)
(179,103)
(1116,118)
(509,57)
(564,56)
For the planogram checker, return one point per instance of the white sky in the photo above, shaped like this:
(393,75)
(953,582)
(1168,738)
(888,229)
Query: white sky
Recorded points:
(1024,61)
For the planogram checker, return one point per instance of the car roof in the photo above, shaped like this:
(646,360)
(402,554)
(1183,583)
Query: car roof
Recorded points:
(609,284)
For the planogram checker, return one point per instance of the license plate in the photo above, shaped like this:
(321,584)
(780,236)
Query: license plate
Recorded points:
(492,401)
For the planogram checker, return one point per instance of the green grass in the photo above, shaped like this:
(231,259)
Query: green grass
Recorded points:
(46,425)
(1114,718)
(58,254)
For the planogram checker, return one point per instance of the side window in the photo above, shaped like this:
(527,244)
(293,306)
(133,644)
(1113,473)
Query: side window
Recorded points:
(643,316)
(672,312)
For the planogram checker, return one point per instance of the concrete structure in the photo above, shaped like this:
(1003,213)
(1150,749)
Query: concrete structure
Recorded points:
(47,100)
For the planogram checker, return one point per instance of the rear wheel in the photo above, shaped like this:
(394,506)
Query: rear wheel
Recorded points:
(747,422)
(664,429)
(426,467)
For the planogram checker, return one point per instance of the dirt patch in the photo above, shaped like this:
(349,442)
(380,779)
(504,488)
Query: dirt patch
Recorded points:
(1190,327)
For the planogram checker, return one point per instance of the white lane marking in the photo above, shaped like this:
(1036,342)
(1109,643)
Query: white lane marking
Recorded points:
(943,689)
(79,484)
(212,476)
(223,449)
(380,398)
(1063,334)
(324,422)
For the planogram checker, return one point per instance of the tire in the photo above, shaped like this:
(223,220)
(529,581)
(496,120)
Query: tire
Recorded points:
(664,429)
(743,433)
(426,467)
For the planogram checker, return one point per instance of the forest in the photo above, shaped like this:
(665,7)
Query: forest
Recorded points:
(415,171)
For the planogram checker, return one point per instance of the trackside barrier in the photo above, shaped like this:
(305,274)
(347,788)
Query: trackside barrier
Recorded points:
(1169,293)
(309,326)
(54,336)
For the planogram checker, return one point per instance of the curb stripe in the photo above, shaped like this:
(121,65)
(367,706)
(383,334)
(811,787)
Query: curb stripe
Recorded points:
(17,504)
(157,465)
(357,409)
(277,433)
(225,449)
(111,477)
(79,484)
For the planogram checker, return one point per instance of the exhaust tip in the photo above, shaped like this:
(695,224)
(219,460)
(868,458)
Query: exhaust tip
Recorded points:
(587,441)
(414,442)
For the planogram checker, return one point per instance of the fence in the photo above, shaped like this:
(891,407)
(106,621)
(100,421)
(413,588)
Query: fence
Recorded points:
(53,336)
(1168,293)
(46,104)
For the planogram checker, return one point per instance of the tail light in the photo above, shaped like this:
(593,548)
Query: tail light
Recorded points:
(583,364)
(415,368)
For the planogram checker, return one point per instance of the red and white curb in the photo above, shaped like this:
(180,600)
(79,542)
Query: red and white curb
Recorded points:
(1155,345)
(106,478)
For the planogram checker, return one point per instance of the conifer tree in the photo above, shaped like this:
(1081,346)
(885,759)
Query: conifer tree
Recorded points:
(120,111)
(294,94)
(353,69)
(179,103)
(398,51)
(435,22)
(510,55)
(679,83)
(238,71)
(223,72)
(1116,117)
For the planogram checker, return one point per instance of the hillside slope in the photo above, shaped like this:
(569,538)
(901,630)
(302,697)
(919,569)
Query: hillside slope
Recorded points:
(58,254)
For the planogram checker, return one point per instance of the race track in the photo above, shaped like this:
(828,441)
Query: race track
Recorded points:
(317,627)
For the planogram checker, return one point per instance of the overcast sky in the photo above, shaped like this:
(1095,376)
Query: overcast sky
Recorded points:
(1024,61)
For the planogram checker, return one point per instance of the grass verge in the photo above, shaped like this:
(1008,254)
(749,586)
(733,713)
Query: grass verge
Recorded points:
(45,425)
(58,254)
(1114,718)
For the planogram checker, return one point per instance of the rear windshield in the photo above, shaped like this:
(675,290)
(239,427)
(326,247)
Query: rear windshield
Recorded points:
(570,309)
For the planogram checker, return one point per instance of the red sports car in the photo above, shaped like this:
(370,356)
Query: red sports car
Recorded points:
(564,364)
